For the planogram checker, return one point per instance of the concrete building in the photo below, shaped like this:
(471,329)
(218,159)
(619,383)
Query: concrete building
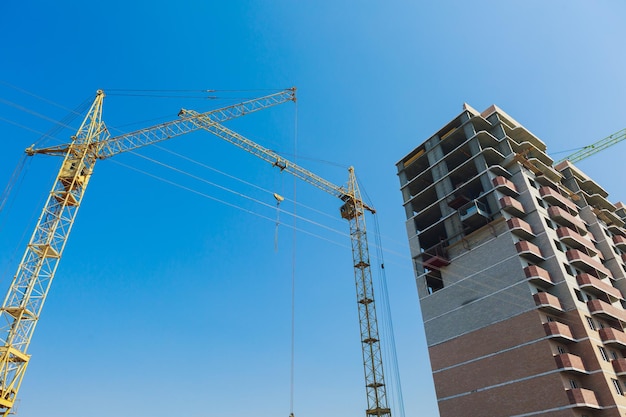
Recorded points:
(520,269)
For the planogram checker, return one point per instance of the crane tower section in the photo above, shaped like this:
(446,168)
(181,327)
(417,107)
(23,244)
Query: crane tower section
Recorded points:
(24,301)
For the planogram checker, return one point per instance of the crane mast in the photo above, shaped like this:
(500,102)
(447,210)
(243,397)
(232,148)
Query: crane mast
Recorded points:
(353,210)
(25,298)
(23,303)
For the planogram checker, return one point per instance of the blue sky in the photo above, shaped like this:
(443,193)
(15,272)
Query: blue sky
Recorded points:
(168,302)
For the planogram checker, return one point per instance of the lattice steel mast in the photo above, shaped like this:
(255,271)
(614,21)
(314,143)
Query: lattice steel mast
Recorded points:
(23,303)
(26,296)
(352,210)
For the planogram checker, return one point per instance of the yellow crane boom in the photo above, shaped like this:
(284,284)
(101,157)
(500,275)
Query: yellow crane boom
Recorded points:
(25,298)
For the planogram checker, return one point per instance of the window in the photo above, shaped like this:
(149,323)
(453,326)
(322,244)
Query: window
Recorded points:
(618,387)
(561,349)
(605,357)
(573,384)
(614,354)
(569,270)
(541,203)
(582,296)
(559,246)
(579,295)
(550,223)
(591,324)
(532,183)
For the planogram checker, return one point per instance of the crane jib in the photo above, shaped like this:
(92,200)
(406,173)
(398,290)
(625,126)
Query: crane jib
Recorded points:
(24,301)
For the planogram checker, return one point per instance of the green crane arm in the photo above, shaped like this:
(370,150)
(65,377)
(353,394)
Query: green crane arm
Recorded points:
(595,147)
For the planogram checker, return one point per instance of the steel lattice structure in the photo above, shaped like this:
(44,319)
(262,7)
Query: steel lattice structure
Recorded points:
(24,301)
(352,210)
(595,147)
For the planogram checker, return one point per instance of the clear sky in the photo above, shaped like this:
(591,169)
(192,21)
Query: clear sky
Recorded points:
(169,302)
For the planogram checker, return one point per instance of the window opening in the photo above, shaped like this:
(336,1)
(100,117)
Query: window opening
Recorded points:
(605,357)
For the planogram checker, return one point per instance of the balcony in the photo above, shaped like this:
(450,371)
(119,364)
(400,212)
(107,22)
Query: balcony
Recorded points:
(505,186)
(474,213)
(619,366)
(569,362)
(575,240)
(435,257)
(563,218)
(512,206)
(580,397)
(608,216)
(538,276)
(558,331)
(585,262)
(548,302)
(556,199)
(616,230)
(520,228)
(529,251)
(613,337)
(620,242)
(597,286)
(458,200)
(606,310)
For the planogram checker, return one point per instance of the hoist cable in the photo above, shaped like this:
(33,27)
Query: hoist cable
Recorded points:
(392,360)
(221,187)
(293,273)
(210,197)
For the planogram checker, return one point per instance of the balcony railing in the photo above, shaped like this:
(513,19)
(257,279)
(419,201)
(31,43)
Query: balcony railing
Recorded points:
(580,397)
(548,302)
(564,218)
(585,262)
(569,362)
(538,276)
(529,251)
(597,286)
(512,206)
(619,366)
(613,337)
(606,310)
(558,331)
(520,228)
(435,257)
(555,198)
(474,213)
(576,240)
(620,242)
(505,186)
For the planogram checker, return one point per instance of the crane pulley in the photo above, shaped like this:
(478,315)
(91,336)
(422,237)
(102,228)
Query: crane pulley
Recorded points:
(23,303)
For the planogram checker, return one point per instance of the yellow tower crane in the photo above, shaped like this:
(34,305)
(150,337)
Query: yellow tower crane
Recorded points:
(23,303)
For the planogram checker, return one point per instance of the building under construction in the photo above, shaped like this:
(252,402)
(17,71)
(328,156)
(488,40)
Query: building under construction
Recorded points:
(520,267)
